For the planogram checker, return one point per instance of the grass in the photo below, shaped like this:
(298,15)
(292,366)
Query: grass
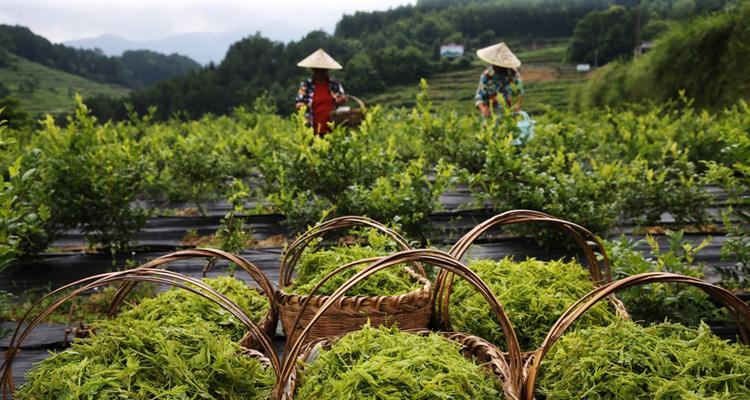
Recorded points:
(43,90)
(548,83)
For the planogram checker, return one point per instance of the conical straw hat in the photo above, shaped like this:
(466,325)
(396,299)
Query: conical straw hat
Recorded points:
(500,55)
(319,59)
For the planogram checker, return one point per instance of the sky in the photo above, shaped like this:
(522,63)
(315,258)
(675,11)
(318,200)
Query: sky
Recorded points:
(60,20)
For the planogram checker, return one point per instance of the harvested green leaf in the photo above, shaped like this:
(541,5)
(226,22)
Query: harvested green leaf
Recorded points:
(315,264)
(627,361)
(181,308)
(143,360)
(384,363)
(534,294)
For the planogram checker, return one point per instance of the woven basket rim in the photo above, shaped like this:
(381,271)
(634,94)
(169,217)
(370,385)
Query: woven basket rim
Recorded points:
(283,297)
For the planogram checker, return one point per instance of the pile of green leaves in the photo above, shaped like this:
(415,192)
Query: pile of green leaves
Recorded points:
(315,263)
(384,363)
(627,361)
(131,359)
(533,293)
(177,307)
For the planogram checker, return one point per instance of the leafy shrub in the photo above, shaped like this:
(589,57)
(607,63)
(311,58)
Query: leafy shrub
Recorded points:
(86,309)
(22,222)
(625,360)
(533,293)
(91,176)
(386,363)
(663,301)
(146,359)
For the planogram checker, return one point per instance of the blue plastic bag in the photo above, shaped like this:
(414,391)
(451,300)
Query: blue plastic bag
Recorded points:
(525,129)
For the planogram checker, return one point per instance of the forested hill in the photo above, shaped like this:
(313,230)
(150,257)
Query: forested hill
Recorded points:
(377,49)
(134,69)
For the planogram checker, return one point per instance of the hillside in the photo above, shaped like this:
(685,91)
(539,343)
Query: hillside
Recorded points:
(547,82)
(149,67)
(45,90)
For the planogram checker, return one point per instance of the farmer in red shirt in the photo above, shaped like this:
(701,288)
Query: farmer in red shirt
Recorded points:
(320,94)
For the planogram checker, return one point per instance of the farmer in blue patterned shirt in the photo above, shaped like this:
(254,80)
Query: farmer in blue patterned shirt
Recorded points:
(320,94)
(500,84)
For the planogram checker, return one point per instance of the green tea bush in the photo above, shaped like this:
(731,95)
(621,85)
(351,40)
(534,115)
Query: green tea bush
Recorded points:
(132,359)
(663,301)
(84,309)
(22,216)
(627,361)
(178,307)
(315,264)
(384,363)
(533,293)
(90,176)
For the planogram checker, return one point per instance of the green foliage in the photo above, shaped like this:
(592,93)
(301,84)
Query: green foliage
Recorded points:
(90,177)
(663,302)
(625,360)
(735,181)
(232,235)
(177,307)
(316,263)
(22,218)
(533,293)
(373,170)
(380,363)
(146,360)
(703,57)
(84,309)
(603,36)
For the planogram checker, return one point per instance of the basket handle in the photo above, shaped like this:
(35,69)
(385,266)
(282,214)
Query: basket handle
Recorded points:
(134,275)
(295,250)
(359,101)
(444,281)
(739,309)
(255,273)
(435,258)
(580,234)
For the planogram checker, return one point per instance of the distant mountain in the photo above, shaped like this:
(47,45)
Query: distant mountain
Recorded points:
(134,69)
(203,47)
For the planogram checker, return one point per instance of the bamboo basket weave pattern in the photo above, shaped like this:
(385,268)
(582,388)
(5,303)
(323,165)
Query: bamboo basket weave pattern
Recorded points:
(411,310)
(505,366)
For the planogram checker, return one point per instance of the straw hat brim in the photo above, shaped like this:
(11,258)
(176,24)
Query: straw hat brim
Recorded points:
(319,59)
(500,55)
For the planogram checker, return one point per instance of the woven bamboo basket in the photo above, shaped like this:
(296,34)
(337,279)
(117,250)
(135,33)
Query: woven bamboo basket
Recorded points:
(351,118)
(600,274)
(739,309)
(268,357)
(267,323)
(411,310)
(505,366)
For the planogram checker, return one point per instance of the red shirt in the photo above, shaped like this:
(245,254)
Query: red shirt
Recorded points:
(322,105)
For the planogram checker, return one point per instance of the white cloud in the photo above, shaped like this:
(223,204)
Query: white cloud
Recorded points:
(60,20)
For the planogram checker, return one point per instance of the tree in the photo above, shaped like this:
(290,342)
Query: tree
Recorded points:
(603,36)
(361,76)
